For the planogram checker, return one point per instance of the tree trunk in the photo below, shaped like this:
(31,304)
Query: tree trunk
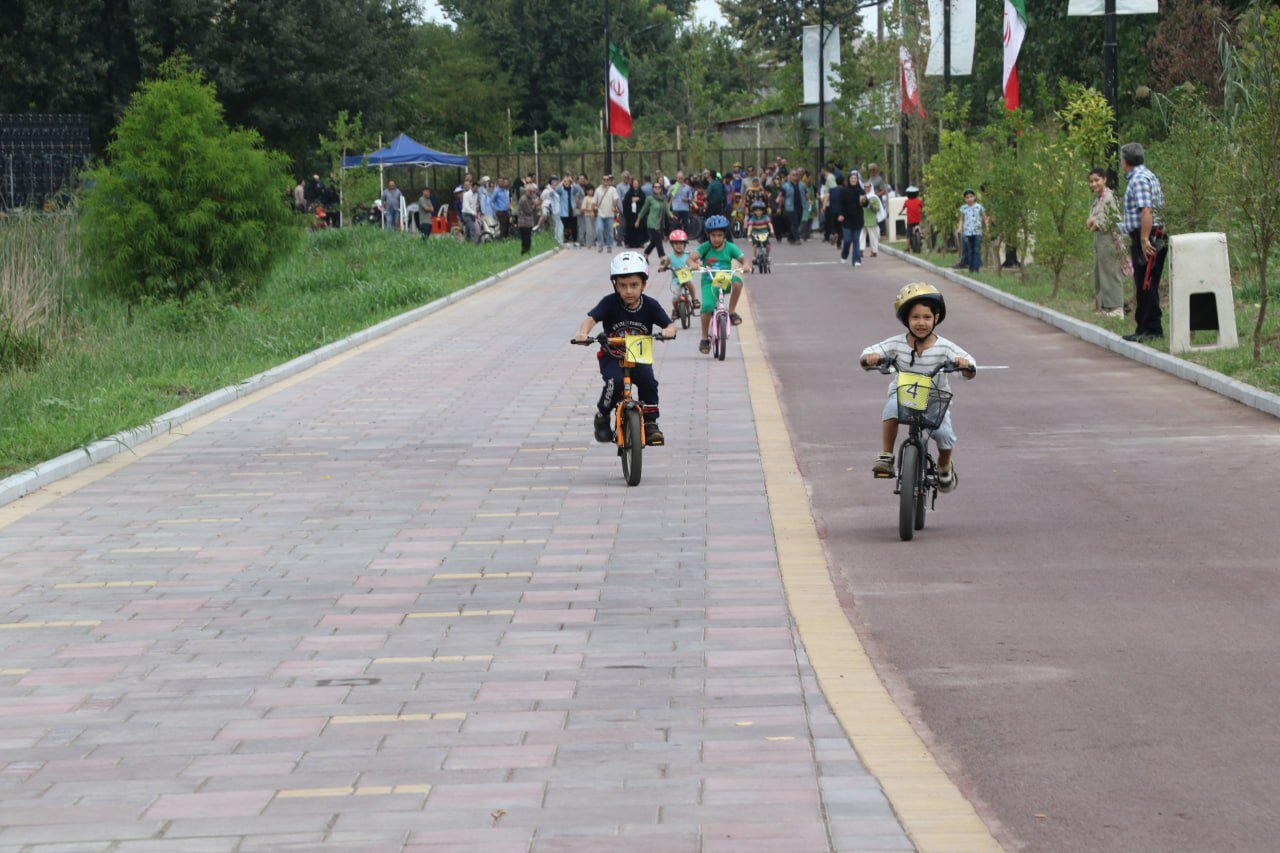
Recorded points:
(1262,301)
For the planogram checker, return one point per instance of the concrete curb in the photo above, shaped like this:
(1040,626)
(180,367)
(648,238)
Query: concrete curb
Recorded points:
(1212,380)
(24,483)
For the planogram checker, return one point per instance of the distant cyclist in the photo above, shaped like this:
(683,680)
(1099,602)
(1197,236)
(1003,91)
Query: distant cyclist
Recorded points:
(717,254)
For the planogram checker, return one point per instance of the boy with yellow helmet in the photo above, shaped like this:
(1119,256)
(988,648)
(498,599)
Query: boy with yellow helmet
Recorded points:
(920,307)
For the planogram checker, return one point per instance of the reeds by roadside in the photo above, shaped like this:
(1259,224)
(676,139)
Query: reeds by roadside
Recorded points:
(39,261)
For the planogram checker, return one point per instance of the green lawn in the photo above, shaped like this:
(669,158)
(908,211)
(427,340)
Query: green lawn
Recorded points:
(1075,299)
(113,369)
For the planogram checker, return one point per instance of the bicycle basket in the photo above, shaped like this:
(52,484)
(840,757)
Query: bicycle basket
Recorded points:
(920,402)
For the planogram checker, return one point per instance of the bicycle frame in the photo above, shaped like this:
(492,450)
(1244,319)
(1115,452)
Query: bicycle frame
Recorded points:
(720,325)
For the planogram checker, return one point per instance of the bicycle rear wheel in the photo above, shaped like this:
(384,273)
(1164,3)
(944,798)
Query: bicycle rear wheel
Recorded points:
(908,475)
(683,311)
(632,446)
(721,344)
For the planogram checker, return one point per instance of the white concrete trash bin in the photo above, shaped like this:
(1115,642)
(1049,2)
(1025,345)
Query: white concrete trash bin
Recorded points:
(1200,291)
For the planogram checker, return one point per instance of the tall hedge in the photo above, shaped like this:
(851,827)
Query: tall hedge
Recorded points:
(183,202)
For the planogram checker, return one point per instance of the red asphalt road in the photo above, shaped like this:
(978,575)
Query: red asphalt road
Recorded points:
(1086,632)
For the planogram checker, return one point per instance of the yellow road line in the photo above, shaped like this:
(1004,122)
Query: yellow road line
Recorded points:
(437,659)
(57,623)
(530,489)
(930,807)
(167,549)
(444,614)
(14,671)
(358,719)
(352,791)
(502,541)
(515,514)
(197,521)
(478,576)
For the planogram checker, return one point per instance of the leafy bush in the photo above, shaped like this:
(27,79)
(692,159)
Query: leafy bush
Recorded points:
(184,202)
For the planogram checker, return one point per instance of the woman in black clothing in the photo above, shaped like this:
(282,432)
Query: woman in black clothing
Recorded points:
(631,204)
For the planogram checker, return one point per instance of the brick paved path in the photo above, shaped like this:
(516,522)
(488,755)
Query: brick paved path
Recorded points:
(407,602)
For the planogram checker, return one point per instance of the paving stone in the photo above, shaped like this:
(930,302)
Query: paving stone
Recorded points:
(316,595)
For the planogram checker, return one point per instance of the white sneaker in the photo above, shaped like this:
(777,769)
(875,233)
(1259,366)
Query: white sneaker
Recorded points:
(947,480)
(857,263)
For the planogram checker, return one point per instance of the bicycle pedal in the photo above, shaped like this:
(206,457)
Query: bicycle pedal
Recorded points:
(880,476)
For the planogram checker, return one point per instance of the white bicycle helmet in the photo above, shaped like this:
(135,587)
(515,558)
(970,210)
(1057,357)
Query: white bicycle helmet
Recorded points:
(629,263)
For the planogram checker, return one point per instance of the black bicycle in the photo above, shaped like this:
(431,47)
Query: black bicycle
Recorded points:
(922,407)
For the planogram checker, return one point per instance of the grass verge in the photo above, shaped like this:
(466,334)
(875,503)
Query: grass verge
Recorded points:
(115,369)
(1075,299)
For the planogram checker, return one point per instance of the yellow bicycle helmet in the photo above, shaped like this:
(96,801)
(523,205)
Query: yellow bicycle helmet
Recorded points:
(918,291)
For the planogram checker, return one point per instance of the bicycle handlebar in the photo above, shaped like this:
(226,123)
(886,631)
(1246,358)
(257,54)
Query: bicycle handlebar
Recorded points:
(605,341)
(887,365)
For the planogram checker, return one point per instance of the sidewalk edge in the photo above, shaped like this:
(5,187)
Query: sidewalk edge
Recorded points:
(931,809)
(1249,395)
(46,473)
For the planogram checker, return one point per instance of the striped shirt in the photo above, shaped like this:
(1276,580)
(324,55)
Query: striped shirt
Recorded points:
(1142,190)
(899,347)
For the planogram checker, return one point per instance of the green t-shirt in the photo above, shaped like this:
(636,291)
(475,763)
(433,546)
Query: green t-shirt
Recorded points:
(718,260)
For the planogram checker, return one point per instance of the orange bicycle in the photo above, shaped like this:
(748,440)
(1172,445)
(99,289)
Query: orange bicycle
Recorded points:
(628,415)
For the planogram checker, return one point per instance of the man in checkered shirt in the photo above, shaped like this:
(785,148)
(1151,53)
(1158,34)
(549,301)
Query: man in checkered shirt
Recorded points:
(1143,200)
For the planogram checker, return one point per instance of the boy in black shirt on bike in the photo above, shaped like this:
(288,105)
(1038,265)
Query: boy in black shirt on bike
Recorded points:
(627,311)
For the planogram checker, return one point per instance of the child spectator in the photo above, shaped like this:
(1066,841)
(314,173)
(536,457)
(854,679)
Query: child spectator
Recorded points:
(914,209)
(870,221)
(627,311)
(972,217)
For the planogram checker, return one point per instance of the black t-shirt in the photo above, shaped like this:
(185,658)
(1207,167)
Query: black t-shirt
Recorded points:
(619,320)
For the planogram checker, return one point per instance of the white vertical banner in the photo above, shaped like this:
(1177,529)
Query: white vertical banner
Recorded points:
(964,21)
(831,62)
(1123,7)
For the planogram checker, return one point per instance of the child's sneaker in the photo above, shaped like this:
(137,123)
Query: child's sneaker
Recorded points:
(604,434)
(883,466)
(947,479)
(653,435)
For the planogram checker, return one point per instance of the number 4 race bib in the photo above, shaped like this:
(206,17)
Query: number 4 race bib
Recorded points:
(913,391)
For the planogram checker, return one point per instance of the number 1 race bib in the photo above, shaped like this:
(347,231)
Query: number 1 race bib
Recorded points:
(639,348)
(913,391)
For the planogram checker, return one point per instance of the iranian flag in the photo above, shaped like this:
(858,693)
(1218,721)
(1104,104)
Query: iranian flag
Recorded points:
(910,89)
(1015,30)
(619,94)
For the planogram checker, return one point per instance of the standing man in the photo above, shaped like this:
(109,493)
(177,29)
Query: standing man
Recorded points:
(391,199)
(1148,242)
(501,201)
(716,200)
(606,209)
(470,210)
(681,199)
(568,214)
(792,205)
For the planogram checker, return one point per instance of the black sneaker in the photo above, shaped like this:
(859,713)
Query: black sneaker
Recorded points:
(604,433)
(653,434)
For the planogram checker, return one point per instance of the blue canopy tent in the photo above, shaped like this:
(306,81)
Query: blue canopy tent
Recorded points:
(403,151)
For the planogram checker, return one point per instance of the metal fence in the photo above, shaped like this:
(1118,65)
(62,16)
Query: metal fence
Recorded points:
(41,156)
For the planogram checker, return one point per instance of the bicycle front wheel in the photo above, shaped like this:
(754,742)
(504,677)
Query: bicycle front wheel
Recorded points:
(632,446)
(684,313)
(908,480)
(722,336)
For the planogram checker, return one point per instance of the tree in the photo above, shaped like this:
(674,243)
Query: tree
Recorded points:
(951,171)
(1008,180)
(774,27)
(184,203)
(1252,102)
(1059,204)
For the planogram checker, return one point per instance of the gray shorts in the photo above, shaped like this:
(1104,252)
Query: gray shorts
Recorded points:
(944,436)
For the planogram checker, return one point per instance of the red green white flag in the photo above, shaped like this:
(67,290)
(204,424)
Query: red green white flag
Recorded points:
(1015,29)
(619,94)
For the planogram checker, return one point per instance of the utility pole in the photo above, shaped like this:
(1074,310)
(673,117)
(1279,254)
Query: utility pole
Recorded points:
(608,128)
(946,46)
(822,86)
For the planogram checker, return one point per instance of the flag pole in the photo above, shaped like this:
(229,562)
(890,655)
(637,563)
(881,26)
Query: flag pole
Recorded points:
(608,124)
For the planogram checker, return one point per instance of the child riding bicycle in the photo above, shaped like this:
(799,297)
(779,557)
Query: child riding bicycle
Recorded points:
(678,260)
(717,254)
(758,222)
(920,307)
(627,311)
